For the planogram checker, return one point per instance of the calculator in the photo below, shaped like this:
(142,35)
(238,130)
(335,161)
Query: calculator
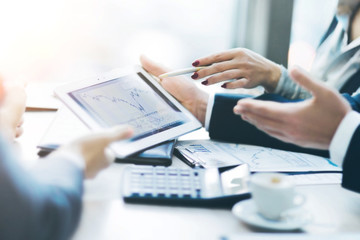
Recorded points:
(220,188)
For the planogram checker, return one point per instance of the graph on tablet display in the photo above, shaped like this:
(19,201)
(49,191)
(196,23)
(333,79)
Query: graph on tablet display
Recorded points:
(126,100)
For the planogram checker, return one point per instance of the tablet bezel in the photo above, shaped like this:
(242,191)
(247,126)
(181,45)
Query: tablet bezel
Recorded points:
(125,148)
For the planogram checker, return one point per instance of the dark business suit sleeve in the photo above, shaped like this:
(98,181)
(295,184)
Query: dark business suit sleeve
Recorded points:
(226,126)
(351,164)
(43,204)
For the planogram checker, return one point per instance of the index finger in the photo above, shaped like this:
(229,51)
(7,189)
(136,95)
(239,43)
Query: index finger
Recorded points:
(214,58)
(266,109)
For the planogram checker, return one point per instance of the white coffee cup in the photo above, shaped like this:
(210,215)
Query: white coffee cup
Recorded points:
(274,194)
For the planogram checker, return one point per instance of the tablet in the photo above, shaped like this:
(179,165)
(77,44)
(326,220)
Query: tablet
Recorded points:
(128,96)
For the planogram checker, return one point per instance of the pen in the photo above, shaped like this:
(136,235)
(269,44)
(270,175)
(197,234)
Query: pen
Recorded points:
(180,72)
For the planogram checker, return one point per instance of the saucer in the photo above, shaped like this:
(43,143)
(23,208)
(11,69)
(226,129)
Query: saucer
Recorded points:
(247,212)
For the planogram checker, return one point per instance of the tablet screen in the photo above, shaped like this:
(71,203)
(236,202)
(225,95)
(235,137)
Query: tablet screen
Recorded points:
(130,99)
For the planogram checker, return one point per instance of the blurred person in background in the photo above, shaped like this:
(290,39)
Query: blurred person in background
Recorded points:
(337,61)
(45,202)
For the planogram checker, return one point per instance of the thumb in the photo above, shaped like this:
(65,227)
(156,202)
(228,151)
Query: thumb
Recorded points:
(301,77)
(152,67)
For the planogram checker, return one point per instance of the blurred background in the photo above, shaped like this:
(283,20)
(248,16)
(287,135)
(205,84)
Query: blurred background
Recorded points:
(48,42)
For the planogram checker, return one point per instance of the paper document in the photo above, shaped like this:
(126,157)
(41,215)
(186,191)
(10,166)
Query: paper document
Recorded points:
(40,96)
(209,153)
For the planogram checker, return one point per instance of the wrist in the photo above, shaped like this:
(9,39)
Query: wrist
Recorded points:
(201,107)
(273,77)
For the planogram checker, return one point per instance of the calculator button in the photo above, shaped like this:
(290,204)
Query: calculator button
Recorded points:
(187,193)
(185,181)
(172,182)
(161,191)
(161,183)
(161,195)
(172,171)
(160,170)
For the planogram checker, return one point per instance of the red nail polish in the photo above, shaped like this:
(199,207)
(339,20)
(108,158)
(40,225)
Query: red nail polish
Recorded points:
(196,63)
(204,82)
(195,75)
(224,85)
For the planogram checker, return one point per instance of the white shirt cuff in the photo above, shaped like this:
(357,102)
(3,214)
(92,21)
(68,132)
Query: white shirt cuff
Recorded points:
(341,140)
(281,82)
(209,109)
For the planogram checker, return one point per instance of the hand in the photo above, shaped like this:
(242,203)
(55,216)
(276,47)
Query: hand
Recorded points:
(92,148)
(310,123)
(12,108)
(248,68)
(184,90)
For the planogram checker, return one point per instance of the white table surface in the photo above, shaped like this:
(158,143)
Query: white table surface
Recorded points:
(105,215)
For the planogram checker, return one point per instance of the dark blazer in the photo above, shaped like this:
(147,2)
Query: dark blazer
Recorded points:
(40,204)
(351,164)
(226,126)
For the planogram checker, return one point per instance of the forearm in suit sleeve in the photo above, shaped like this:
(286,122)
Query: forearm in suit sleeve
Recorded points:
(351,163)
(226,126)
(43,204)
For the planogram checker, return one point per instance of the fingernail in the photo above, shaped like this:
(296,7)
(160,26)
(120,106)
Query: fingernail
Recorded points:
(204,82)
(195,75)
(196,63)
(239,109)
(224,85)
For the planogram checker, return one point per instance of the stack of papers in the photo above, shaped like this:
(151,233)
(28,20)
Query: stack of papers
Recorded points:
(209,154)
(305,169)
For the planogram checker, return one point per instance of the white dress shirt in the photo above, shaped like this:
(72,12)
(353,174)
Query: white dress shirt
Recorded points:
(209,110)
(342,137)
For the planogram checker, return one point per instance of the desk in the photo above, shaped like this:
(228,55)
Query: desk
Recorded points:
(106,216)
